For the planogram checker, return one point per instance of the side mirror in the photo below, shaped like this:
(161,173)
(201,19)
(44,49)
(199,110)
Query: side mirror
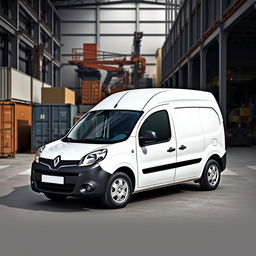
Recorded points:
(147,137)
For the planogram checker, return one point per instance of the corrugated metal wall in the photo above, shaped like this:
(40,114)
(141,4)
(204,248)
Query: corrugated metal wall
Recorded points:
(117,23)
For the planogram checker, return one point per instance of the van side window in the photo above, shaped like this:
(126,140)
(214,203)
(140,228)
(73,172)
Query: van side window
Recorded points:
(159,123)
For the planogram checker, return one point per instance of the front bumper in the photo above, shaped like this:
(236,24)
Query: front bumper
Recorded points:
(74,178)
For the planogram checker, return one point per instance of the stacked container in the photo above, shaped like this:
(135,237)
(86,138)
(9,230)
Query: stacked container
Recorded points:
(51,122)
(17,86)
(91,92)
(15,128)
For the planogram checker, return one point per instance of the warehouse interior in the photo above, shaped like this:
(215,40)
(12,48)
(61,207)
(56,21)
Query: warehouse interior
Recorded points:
(60,58)
(108,46)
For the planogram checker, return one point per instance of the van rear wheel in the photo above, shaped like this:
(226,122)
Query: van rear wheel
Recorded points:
(210,178)
(118,192)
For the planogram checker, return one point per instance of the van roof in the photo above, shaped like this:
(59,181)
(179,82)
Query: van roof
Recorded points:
(139,99)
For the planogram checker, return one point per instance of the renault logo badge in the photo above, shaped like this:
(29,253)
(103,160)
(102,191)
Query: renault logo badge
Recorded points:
(56,161)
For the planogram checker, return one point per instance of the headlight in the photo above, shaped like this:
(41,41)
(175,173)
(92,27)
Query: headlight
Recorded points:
(38,154)
(93,157)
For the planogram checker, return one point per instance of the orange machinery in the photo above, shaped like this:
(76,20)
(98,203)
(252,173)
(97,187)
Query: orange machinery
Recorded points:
(90,58)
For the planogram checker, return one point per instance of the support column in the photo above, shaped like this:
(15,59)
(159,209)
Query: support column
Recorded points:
(202,18)
(169,83)
(223,73)
(17,38)
(176,9)
(52,52)
(14,61)
(190,77)
(174,81)
(98,26)
(50,73)
(172,18)
(137,29)
(189,23)
(39,42)
(203,85)
(181,85)
(167,17)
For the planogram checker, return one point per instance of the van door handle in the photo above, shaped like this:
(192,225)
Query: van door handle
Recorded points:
(171,149)
(182,147)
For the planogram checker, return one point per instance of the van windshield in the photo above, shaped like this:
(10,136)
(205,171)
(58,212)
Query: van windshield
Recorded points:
(106,126)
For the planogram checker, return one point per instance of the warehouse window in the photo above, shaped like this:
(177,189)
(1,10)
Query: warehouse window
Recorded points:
(8,9)
(25,58)
(4,50)
(56,76)
(46,16)
(45,71)
(33,4)
(26,24)
(56,26)
(45,41)
(56,52)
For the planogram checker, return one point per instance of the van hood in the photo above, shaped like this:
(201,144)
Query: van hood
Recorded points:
(69,150)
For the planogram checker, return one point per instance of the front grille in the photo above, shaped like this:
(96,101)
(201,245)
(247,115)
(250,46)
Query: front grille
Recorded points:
(48,187)
(62,163)
(54,173)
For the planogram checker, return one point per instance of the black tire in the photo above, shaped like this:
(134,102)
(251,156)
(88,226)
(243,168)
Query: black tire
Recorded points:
(204,180)
(111,202)
(55,197)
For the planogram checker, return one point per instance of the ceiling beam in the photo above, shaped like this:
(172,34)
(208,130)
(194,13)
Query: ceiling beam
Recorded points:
(74,4)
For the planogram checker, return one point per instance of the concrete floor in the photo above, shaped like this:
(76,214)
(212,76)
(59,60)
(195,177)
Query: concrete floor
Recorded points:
(177,220)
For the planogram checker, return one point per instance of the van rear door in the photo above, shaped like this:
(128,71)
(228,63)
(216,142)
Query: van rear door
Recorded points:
(190,142)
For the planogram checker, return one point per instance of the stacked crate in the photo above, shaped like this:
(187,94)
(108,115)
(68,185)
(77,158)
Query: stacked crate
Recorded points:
(91,92)
(58,95)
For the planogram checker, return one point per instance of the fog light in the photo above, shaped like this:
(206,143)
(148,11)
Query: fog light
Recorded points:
(87,188)
(82,190)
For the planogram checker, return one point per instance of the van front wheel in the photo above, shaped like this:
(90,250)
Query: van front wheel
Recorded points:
(211,176)
(118,192)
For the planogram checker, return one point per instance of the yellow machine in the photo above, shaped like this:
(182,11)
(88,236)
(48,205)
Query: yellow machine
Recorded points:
(241,115)
(240,127)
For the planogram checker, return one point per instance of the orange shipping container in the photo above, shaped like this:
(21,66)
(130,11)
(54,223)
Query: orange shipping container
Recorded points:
(91,92)
(15,128)
(90,51)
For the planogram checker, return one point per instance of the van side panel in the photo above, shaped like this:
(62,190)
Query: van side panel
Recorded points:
(212,127)
(213,132)
(190,142)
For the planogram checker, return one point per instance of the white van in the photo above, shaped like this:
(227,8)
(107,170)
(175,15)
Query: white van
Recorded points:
(134,141)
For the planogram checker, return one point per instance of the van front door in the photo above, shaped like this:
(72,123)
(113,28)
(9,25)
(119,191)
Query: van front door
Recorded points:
(156,148)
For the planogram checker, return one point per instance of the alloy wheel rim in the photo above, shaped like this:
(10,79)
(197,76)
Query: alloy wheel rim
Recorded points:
(119,190)
(213,175)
